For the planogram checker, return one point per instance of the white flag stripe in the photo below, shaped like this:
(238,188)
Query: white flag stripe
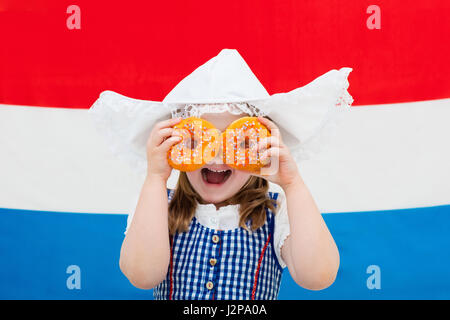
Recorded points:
(382,157)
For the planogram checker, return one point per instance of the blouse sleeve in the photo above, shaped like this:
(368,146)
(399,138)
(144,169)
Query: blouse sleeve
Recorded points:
(133,205)
(282,229)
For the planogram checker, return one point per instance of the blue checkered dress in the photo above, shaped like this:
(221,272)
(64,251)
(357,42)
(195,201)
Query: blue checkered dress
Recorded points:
(208,264)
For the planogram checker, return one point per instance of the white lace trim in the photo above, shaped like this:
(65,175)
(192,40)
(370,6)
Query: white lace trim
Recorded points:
(197,110)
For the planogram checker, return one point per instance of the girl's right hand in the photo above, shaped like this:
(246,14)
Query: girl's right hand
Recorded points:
(158,144)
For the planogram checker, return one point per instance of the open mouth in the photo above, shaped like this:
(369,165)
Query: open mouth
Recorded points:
(214,176)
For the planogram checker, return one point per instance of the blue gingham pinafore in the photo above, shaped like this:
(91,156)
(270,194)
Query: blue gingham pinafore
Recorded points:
(208,264)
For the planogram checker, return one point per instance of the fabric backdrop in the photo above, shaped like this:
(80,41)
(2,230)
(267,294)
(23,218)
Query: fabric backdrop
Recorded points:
(382,184)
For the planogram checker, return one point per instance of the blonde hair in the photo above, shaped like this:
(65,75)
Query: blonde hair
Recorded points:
(252,198)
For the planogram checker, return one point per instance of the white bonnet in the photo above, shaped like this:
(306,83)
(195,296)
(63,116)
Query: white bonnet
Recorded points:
(306,116)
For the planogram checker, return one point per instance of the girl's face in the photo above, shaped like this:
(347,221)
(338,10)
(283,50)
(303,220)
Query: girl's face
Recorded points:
(216,182)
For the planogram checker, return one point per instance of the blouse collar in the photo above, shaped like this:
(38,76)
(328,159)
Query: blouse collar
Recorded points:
(224,218)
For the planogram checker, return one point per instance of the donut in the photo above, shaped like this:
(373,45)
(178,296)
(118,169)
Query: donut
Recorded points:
(197,146)
(240,142)
(201,142)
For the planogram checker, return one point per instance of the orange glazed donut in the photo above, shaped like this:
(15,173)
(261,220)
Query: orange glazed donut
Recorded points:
(198,136)
(240,140)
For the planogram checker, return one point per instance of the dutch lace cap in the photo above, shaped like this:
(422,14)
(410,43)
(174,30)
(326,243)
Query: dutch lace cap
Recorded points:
(306,116)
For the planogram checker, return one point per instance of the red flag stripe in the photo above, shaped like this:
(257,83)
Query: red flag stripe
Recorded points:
(144,49)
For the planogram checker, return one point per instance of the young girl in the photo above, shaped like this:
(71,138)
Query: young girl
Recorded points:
(221,233)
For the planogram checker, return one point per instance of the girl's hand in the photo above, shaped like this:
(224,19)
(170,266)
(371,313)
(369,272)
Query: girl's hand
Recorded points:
(280,166)
(158,144)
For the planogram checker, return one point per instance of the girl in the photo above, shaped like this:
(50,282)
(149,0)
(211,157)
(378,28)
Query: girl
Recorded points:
(221,233)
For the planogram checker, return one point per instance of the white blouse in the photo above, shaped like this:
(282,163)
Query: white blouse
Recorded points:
(227,218)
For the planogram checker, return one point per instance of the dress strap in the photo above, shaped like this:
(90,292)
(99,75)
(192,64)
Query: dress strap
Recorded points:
(171,239)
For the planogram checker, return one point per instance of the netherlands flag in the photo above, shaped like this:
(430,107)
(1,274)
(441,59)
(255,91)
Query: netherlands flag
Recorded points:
(383,183)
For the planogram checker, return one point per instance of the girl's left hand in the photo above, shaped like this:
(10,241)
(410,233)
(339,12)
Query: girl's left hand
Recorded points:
(280,166)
